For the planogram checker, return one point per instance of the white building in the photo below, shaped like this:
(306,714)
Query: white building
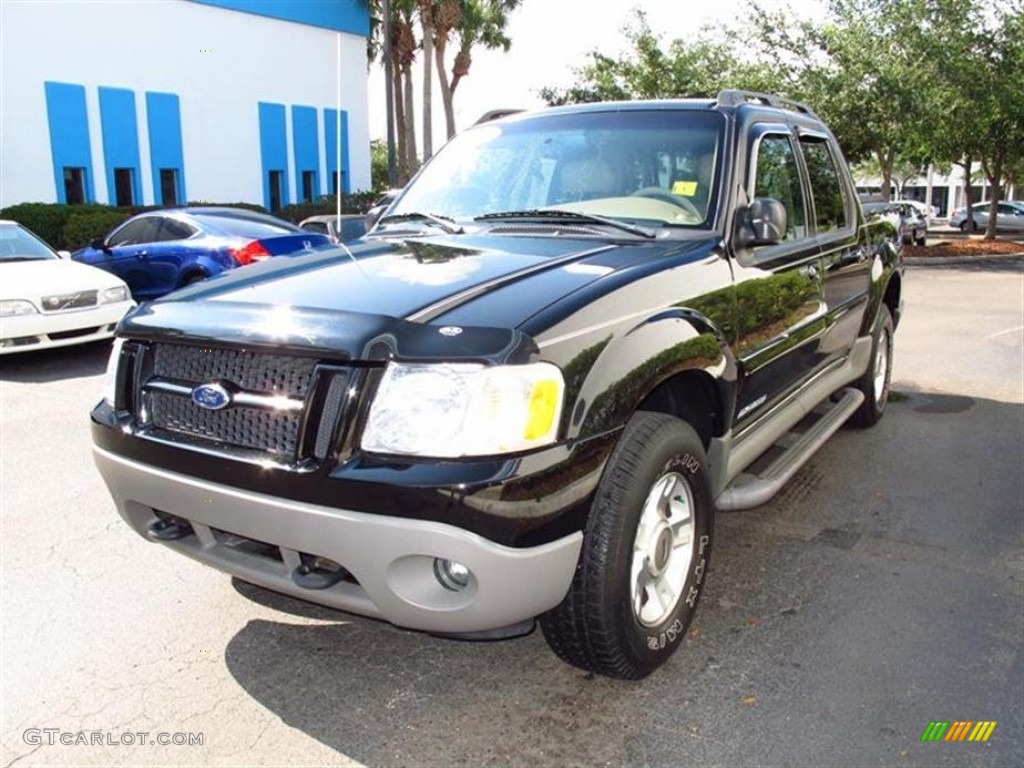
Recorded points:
(944,191)
(159,102)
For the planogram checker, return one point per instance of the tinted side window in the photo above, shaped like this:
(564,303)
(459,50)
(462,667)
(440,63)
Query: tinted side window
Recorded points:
(826,188)
(172,229)
(139,231)
(777,177)
(315,226)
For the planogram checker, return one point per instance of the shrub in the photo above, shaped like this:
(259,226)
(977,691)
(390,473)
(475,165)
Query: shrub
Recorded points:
(208,204)
(83,227)
(356,202)
(45,219)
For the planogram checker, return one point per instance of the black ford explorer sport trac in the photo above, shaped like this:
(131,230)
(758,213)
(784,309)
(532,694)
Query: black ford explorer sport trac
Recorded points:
(524,394)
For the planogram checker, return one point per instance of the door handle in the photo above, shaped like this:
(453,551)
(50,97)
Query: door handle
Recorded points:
(143,254)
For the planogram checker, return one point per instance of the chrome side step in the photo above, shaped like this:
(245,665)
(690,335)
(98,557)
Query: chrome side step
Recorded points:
(750,490)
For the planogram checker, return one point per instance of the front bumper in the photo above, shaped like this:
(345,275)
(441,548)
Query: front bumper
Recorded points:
(261,539)
(60,329)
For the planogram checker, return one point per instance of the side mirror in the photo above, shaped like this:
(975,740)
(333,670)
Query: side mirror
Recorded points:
(763,222)
(100,244)
(64,254)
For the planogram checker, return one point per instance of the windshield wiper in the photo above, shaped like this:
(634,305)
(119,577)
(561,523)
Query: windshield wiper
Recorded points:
(24,258)
(441,222)
(554,213)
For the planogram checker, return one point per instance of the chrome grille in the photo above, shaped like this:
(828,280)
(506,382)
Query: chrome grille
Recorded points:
(272,431)
(246,422)
(252,371)
(59,302)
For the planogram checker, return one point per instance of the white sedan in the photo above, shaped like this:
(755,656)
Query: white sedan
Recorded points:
(48,301)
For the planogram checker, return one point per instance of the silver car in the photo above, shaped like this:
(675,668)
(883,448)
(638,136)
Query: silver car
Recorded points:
(1010,216)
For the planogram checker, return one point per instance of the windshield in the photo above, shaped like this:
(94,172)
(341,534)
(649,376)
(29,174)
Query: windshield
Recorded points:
(17,244)
(649,167)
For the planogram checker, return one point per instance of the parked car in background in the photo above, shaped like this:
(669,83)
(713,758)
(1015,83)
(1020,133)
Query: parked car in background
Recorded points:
(1010,216)
(925,211)
(50,301)
(340,229)
(913,224)
(156,252)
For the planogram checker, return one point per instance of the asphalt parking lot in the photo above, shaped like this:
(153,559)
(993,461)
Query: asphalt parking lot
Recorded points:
(881,590)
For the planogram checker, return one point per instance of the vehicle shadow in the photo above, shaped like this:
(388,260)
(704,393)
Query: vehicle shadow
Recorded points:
(385,696)
(49,365)
(792,584)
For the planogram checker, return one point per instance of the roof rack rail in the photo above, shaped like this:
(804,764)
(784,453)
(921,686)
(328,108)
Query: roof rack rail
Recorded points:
(734,98)
(496,114)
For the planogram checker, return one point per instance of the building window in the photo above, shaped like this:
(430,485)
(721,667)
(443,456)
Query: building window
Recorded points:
(169,186)
(276,180)
(335,182)
(74,185)
(308,186)
(124,194)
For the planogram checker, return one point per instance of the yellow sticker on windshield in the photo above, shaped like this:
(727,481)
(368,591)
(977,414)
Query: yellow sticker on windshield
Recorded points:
(685,188)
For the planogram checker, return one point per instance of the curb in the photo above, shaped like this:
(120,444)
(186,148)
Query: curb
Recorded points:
(959,261)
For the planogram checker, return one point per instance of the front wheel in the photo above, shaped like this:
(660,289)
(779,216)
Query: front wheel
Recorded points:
(645,554)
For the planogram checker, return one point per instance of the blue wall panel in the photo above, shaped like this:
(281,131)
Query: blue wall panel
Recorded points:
(331,145)
(346,174)
(307,155)
(69,134)
(340,15)
(120,139)
(163,117)
(273,148)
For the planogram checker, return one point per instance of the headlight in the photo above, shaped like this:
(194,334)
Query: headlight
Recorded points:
(110,380)
(114,295)
(16,307)
(451,410)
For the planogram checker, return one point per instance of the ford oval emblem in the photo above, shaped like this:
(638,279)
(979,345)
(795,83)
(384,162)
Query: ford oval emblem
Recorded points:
(212,397)
(450,330)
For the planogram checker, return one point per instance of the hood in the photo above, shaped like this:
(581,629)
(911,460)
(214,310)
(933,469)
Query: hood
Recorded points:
(34,279)
(389,298)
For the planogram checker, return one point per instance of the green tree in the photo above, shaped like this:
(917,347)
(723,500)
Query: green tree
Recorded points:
(971,53)
(653,69)
(378,165)
(471,24)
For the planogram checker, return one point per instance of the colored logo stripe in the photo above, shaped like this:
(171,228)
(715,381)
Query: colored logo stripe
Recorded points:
(982,730)
(935,731)
(959,730)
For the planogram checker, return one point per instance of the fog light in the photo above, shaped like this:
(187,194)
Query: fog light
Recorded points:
(451,575)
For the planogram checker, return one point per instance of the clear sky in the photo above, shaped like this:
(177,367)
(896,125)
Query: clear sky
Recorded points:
(549,39)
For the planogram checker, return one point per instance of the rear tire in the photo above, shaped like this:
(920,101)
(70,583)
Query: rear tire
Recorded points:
(875,381)
(195,277)
(645,554)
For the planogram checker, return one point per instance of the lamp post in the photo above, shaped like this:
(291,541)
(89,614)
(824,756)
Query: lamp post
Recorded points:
(389,90)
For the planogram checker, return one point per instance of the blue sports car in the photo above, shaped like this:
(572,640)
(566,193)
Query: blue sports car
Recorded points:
(156,252)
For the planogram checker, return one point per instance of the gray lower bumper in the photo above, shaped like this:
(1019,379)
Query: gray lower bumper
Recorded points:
(392,559)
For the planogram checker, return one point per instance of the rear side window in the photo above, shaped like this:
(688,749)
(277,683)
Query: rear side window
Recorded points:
(777,177)
(826,187)
(145,230)
(244,227)
(315,226)
(172,229)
